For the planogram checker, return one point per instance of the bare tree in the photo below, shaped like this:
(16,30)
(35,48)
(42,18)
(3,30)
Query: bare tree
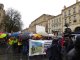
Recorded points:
(12,21)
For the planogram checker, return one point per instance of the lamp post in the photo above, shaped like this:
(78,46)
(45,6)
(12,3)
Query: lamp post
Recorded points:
(67,29)
(66,25)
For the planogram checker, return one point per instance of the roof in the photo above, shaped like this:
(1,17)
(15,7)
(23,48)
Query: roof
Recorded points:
(71,6)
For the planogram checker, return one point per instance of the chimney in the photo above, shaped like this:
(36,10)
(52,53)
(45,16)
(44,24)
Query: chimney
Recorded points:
(1,6)
(64,6)
(77,1)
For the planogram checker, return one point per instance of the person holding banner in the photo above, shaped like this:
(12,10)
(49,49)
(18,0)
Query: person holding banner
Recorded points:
(54,51)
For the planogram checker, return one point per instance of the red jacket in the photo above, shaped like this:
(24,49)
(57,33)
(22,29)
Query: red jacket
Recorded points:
(62,42)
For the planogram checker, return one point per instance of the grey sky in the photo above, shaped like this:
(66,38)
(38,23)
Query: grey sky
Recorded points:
(32,9)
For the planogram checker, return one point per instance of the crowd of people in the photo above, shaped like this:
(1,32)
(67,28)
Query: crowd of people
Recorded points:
(65,48)
(17,44)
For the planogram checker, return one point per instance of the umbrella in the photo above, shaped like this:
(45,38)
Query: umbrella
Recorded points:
(43,33)
(1,32)
(25,36)
(37,35)
(3,35)
(26,33)
(16,34)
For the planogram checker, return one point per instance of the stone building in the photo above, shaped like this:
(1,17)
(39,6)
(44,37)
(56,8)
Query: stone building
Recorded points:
(55,24)
(71,16)
(2,13)
(41,21)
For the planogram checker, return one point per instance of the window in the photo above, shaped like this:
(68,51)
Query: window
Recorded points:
(65,20)
(79,9)
(64,14)
(49,24)
(54,25)
(54,20)
(69,13)
(79,20)
(59,19)
(69,20)
(79,12)
(74,18)
(74,10)
(49,30)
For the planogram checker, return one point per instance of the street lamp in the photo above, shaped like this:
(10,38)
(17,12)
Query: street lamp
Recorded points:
(66,25)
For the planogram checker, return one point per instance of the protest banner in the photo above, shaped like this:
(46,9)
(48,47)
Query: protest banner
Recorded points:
(46,44)
(35,47)
(38,47)
(41,30)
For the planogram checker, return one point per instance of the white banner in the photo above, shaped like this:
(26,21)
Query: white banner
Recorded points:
(41,30)
(38,47)
(46,44)
(35,47)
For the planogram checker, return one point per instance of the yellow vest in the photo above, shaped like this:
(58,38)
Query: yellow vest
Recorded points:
(11,42)
(15,41)
(19,43)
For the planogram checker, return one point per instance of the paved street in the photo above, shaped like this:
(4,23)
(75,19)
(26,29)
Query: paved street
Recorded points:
(39,58)
(7,54)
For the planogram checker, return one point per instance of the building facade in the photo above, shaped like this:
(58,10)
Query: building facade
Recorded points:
(41,21)
(50,25)
(2,14)
(71,16)
(55,24)
(32,27)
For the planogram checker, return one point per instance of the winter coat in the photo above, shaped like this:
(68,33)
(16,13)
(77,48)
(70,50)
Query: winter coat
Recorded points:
(74,54)
(71,54)
(54,51)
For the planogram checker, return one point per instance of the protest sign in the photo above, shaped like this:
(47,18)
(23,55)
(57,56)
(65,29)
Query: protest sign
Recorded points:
(38,47)
(35,47)
(46,44)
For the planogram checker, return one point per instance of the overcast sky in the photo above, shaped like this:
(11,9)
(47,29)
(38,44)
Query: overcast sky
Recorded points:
(32,9)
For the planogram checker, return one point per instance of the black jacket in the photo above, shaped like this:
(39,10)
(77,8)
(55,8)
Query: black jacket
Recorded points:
(54,51)
(74,54)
